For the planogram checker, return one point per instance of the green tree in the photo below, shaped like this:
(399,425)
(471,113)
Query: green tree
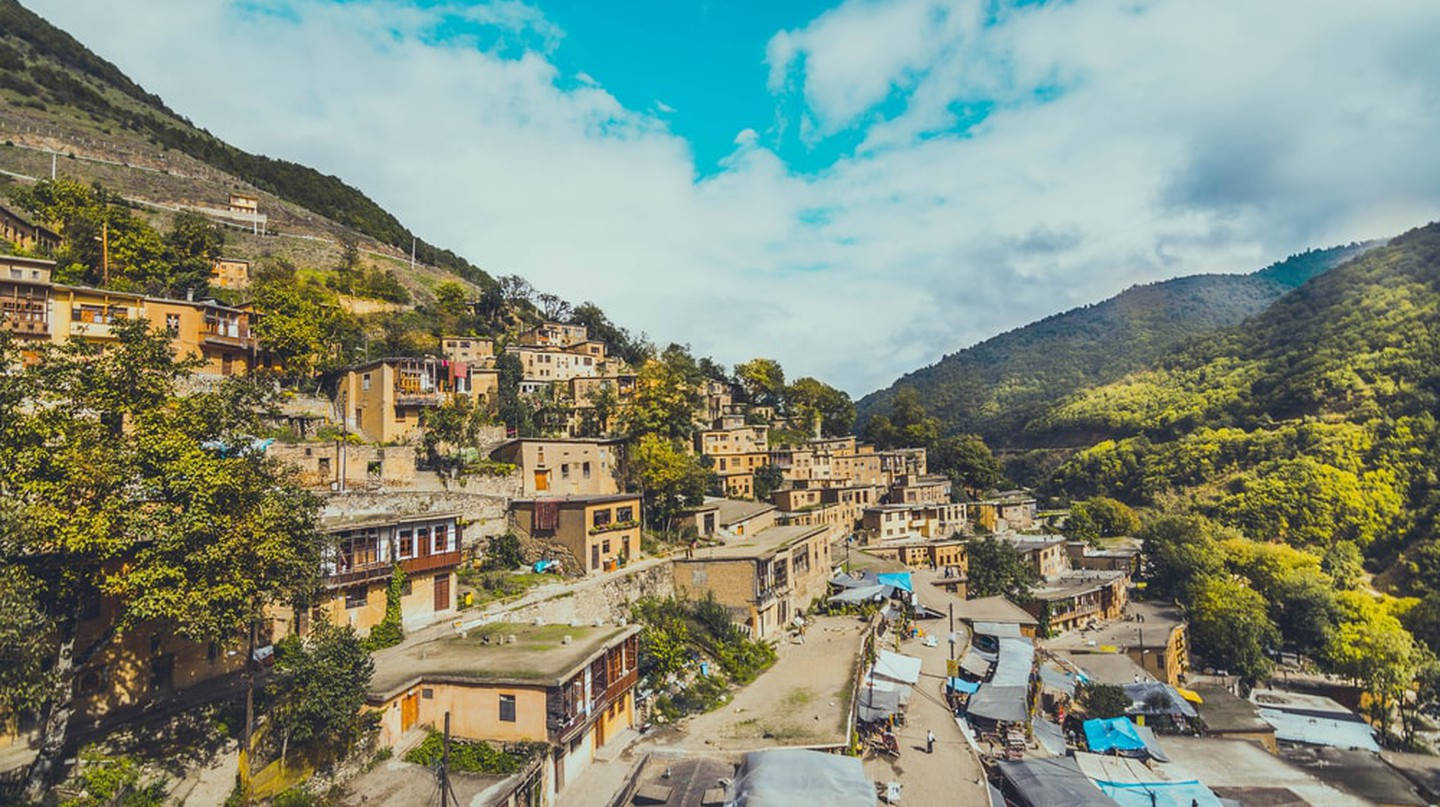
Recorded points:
(664,402)
(811,401)
(768,479)
(1231,628)
(1101,517)
(1180,550)
(763,381)
(669,477)
(996,567)
(907,424)
(514,411)
(301,327)
(452,298)
(193,244)
(966,460)
(450,433)
(318,688)
(26,680)
(1105,701)
(116,484)
(1371,646)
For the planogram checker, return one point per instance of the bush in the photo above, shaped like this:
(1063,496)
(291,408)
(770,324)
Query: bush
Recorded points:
(503,553)
(390,631)
(473,757)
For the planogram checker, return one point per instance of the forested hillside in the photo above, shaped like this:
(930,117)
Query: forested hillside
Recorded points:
(996,387)
(1277,456)
(44,67)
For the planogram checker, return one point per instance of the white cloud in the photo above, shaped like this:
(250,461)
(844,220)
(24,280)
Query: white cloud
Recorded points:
(1186,137)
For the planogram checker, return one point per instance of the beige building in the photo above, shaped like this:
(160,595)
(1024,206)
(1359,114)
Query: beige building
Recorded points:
(338,465)
(1046,554)
(230,273)
(913,489)
(554,334)
(382,399)
(889,522)
(552,364)
(1078,599)
(25,297)
(363,555)
(16,228)
(570,687)
(474,351)
(739,440)
(565,467)
(766,579)
(900,462)
(922,553)
(218,335)
(600,532)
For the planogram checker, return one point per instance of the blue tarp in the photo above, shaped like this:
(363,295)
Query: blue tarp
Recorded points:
(897,579)
(961,685)
(1160,794)
(1115,734)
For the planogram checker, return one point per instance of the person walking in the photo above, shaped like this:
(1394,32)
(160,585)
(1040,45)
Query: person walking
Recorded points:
(929,741)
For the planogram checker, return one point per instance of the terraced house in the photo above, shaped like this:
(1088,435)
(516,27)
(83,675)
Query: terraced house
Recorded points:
(600,532)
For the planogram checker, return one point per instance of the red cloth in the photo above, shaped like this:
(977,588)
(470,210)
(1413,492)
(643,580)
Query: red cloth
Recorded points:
(458,370)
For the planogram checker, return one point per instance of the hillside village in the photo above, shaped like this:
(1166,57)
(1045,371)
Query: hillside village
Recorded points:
(507,569)
(300,509)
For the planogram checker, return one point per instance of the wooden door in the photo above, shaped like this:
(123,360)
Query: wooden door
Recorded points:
(594,556)
(409,711)
(442,592)
(542,481)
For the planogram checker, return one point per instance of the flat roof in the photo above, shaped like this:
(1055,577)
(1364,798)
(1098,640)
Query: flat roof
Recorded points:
(1072,584)
(1362,773)
(330,522)
(1290,701)
(1159,619)
(1225,712)
(733,511)
(758,545)
(37,262)
(1235,764)
(539,657)
(993,609)
(1109,668)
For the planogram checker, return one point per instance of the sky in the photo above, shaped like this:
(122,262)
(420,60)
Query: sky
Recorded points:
(856,188)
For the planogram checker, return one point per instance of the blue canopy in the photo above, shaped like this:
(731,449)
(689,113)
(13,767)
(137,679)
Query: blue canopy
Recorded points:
(896,579)
(1160,794)
(961,685)
(1115,734)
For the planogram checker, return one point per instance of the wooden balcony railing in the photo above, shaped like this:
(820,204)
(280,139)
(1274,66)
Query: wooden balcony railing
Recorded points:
(373,571)
(430,562)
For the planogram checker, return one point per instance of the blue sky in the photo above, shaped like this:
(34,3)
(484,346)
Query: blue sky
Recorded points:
(855,188)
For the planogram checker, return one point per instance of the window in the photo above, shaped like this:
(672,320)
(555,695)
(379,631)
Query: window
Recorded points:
(624,514)
(605,546)
(324,465)
(564,470)
(356,597)
(172,322)
(407,544)
(585,470)
(441,540)
(422,541)
(212,651)
(507,708)
(427,693)
(601,518)
(365,381)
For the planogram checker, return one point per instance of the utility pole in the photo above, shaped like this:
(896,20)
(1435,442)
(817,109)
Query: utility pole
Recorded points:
(412,252)
(104,252)
(447,795)
(53,155)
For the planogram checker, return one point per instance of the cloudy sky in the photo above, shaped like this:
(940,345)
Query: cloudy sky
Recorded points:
(855,189)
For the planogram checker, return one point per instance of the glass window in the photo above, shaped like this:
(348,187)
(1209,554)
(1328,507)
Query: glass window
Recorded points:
(624,514)
(585,469)
(365,381)
(442,540)
(422,540)
(602,517)
(407,544)
(507,708)
(356,597)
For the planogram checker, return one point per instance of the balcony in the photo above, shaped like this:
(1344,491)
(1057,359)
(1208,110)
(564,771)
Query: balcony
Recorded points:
(24,327)
(382,569)
(415,397)
(227,337)
(564,729)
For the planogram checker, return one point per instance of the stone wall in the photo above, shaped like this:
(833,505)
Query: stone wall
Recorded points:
(605,598)
(482,514)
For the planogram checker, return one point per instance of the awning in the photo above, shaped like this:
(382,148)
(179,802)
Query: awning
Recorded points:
(999,703)
(862,594)
(997,629)
(975,664)
(961,685)
(1017,659)
(897,667)
(897,579)
(1151,698)
(1115,734)
(877,703)
(1056,680)
(1190,695)
(1152,744)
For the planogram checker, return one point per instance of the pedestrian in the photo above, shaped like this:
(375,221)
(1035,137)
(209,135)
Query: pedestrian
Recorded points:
(929,741)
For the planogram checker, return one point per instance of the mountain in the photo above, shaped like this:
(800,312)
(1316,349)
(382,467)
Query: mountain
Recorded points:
(1314,422)
(55,94)
(996,387)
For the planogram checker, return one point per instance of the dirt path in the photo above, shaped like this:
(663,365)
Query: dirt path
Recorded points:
(804,699)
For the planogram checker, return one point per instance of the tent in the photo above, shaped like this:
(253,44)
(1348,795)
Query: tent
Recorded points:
(975,663)
(961,685)
(862,594)
(997,629)
(1017,657)
(877,703)
(1115,734)
(1161,794)
(1057,680)
(1054,782)
(897,667)
(1049,735)
(785,776)
(1152,698)
(1152,744)
(999,703)
(900,580)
